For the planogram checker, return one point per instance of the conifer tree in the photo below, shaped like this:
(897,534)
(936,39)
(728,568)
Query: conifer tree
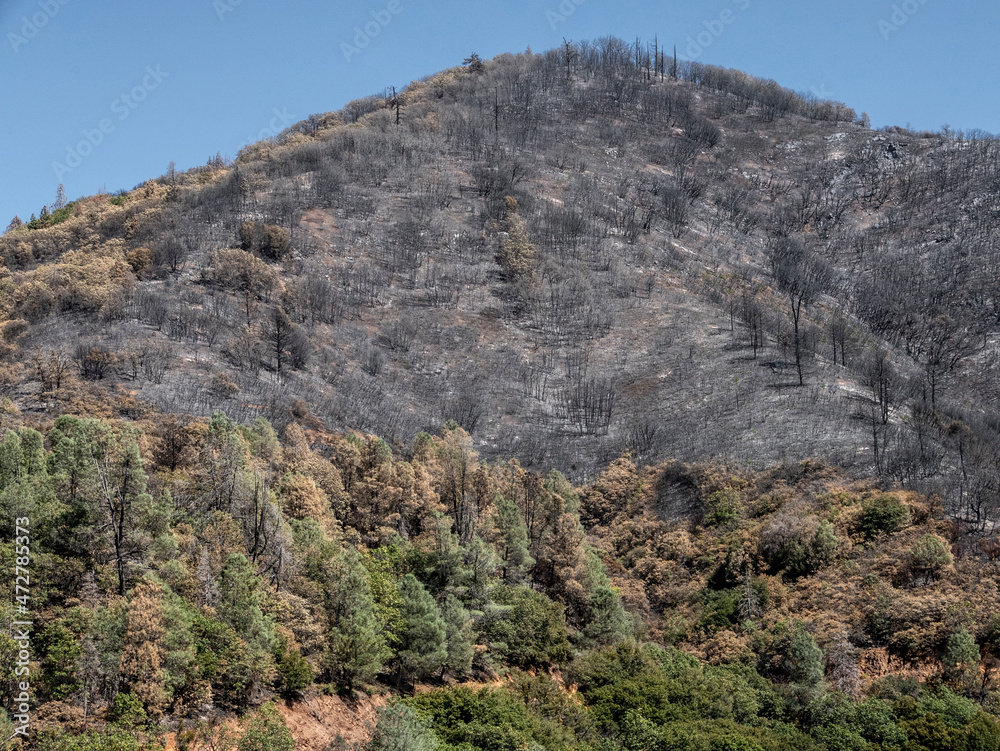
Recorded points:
(459,637)
(120,487)
(240,602)
(512,540)
(805,664)
(266,731)
(358,647)
(400,728)
(423,637)
(961,658)
(143,653)
(608,623)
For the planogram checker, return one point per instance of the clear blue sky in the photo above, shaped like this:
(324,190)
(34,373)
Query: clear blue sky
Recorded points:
(210,75)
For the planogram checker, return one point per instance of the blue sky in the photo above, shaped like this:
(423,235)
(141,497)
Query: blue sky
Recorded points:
(103,94)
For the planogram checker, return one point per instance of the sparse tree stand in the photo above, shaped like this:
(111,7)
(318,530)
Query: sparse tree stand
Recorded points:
(946,342)
(802,277)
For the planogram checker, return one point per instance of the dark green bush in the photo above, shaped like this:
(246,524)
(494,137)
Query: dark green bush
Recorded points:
(882,515)
(530,632)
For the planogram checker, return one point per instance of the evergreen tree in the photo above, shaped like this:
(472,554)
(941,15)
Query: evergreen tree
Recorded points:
(474,63)
(121,489)
(961,658)
(240,602)
(32,451)
(11,459)
(296,672)
(928,556)
(459,637)
(529,631)
(400,728)
(481,565)
(68,460)
(62,652)
(512,541)
(608,623)
(358,647)
(266,731)
(804,661)
(423,637)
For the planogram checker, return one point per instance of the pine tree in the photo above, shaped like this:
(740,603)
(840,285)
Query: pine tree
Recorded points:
(400,728)
(143,654)
(301,498)
(32,451)
(459,637)
(481,565)
(120,487)
(512,540)
(804,660)
(608,623)
(266,731)
(358,647)
(88,669)
(11,459)
(474,63)
(423,636)
(240,602)
(961,658)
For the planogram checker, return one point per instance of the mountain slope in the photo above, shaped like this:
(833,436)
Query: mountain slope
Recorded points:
(652,314)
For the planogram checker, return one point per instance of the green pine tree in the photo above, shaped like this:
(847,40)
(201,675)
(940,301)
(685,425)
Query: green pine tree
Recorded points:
(240,603)
(459,637)
(357,644)
(423,637)
(607,623)
(266,731)
(400,728)
(513,540)
(961,658)
(804,660)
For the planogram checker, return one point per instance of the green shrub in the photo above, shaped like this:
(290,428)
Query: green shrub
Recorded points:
(530,631)
(400,728)
(489,718)
(266,731)
(927,557)
(724,508)
(883,514)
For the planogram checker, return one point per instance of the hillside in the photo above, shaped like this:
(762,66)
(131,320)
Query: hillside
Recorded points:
(655,398)
(651,315)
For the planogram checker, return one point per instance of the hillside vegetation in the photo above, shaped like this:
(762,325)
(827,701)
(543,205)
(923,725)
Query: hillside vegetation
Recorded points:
(286,425)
